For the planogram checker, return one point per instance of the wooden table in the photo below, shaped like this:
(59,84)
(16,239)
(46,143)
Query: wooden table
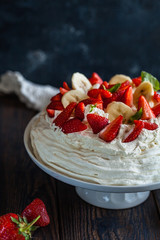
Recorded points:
(71,218)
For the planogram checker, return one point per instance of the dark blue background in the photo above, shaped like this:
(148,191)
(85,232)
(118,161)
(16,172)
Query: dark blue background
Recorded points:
(48,40)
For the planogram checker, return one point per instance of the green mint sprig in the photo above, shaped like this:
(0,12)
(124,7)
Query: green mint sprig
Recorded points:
(136,116)
(114,88)
(147,77)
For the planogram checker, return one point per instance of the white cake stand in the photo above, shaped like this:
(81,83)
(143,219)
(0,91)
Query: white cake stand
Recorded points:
(110,197)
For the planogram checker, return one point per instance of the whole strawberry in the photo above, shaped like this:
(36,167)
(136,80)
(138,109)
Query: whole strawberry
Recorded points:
(34,209)
(13,227)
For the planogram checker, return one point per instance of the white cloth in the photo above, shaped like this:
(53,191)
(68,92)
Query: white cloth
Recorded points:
(33,95)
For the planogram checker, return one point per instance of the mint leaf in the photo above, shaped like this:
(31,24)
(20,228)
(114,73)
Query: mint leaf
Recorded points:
(92,107)
(114,88)
(136,116)
(147,77)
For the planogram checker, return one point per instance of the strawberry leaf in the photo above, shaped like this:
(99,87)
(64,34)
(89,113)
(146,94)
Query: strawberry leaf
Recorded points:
(136,116)
(147,77)
(114,88)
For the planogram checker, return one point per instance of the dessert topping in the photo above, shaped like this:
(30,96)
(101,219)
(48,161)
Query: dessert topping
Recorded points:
(97,122)
(111,130)
(122,98)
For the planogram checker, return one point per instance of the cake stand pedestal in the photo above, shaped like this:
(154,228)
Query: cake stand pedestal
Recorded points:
(112,200)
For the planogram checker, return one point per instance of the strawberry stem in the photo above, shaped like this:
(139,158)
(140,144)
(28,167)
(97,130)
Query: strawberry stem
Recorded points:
(30,225)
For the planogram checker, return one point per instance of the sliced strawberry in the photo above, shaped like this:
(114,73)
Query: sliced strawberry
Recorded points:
(79,111)
(124,85)
(95,78)
(111,131)
(128,97)
(116,96)
(57,97)
(65,86)
(56,105)
(137,81)
(63,90)
(99,103)
(147,111)
(104,85)
(73,125)
(156,110)
(64,115)
(135,133)
(95,92)
(156,96)
(147,125)
(50,112)
(97,122)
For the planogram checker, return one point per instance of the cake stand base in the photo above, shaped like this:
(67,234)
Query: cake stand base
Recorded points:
(112,200)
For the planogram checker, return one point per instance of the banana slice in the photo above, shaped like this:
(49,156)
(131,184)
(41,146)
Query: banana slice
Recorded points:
(80,82)
(115,109)
(119,78)
(145,89)
(73,96)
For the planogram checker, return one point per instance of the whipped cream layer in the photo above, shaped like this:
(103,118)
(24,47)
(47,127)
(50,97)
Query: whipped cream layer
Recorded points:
(84,156)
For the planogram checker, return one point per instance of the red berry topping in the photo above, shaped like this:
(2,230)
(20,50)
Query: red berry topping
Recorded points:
(64,115)
(156,109)
(63,90)
(137,81)
(95,79)
(79,111)
(147,111)
(111,131)
(55,105)
(128,97)
(135,133)
(65,85)
(156,96)
(93,93)
(57,97)
(50,112)
(97,102)
(73,125)
(147,125)
(34,209)
(97,122)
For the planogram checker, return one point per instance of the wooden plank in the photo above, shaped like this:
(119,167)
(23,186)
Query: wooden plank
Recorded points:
(20,179)
(81,221)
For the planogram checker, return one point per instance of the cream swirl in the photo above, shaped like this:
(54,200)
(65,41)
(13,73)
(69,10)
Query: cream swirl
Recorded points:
(84,156)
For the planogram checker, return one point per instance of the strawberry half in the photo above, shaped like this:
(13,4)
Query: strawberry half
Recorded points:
(93,93)
(128,97)
(63,90)
(135,133)
(137,81)
(64,115)
(34,209)
(156,109)
(57,97)
(104,85)
(55,105)
(156,96)
(147,111)
(73,125)
(111,131)
(50,112)
(147,125)
(65,85)
(95,78)
(79,111)
(96,122)
(98,102)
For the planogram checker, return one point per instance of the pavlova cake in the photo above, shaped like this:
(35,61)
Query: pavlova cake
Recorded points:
(102,132)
